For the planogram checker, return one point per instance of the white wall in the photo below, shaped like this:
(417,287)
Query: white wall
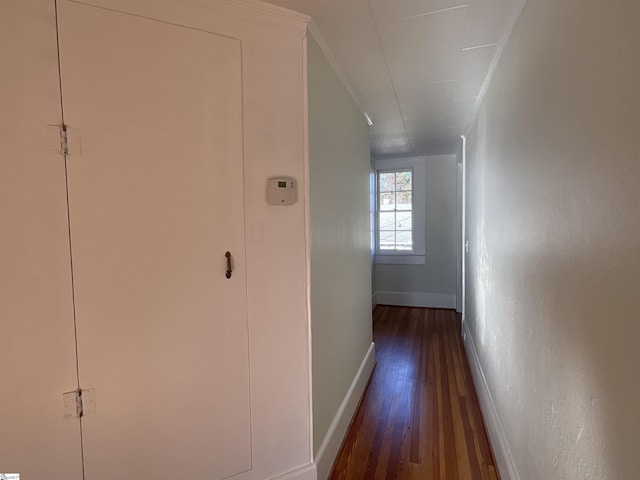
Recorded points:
(273,52)
(340,256)
(434,282)
(553,269)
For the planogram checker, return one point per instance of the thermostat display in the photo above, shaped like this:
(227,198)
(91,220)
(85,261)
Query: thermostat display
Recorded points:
(282,191)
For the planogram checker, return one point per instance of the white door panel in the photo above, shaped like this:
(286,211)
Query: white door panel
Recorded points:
(37,343)
(156,199)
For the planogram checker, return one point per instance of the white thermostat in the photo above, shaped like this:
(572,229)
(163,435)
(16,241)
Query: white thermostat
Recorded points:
(282,191)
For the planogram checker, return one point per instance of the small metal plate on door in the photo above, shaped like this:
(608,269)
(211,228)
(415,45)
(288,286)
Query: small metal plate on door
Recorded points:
(79,403)
(88,401)
(70,400)
(74,146)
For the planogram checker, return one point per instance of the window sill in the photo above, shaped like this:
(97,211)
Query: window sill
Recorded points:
(400,259)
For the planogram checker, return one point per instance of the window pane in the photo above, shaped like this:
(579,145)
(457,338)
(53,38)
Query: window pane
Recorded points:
(403,241)
(387,240)
(387,182)
(395,217)
(403,220)
(387,221)
(403,181)
(403,201)
(387,201)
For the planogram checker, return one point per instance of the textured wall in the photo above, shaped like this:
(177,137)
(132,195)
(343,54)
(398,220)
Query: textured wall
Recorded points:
(339,172)
(553,279)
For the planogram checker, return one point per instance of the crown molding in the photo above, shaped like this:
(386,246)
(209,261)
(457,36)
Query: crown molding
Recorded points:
(203,14)
(324,46)
(297,20)
(518,8)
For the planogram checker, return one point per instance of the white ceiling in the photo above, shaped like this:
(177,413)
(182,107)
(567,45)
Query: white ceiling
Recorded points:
(417,67)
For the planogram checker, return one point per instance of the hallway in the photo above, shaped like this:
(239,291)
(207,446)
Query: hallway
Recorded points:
(419,418)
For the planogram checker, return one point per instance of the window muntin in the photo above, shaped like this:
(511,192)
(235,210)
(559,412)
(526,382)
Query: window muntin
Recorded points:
(395,210)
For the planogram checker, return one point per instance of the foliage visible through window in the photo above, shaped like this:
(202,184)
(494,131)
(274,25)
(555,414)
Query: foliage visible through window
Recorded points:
(395,211)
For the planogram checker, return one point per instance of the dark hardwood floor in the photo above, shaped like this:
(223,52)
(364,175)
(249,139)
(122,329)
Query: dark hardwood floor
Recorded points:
(419,417)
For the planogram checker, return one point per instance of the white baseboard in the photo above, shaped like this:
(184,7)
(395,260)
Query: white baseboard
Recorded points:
(416,299)
(306,472)
(497,437)
(374,300)
(330,446)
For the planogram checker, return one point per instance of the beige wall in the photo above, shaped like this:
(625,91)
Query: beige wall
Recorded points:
(37,342)
(340,237)
(36,325)
(554,229)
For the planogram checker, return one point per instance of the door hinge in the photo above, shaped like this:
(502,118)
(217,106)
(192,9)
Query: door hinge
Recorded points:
(65,139)
(79,403)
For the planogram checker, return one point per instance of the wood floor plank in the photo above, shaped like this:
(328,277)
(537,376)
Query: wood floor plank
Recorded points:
(419,417)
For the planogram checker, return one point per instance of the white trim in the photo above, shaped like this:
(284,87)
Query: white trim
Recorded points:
(374,300)
(339,71)
(497,437)
(330,446)
(417,299)
(307,234)
(518,7)
(306,472)
(301,20)
(191,13)
(400,259)
(399,162)
(418,164)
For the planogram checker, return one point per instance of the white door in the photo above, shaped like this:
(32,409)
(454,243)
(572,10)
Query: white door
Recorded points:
(37,343)
(156,200)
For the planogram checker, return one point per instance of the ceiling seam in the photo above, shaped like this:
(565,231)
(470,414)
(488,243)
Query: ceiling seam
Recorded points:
(440,82)
(464,39)
(470,97)
(466,49)
(386,63)
(520,4)
(424,14)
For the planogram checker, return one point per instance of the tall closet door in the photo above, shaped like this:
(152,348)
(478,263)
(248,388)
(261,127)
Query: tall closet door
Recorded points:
(37,343)
(156,200)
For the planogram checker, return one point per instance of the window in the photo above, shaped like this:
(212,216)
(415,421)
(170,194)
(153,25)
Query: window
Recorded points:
(400,210)
(395,211)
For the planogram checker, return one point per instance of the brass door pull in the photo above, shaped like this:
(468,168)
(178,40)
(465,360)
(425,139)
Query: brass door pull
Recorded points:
(229,271)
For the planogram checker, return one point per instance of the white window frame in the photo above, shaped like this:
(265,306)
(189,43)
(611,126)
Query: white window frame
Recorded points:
(379,211)
(418,184)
